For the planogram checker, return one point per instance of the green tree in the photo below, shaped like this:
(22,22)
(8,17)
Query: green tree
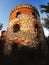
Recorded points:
(45,9)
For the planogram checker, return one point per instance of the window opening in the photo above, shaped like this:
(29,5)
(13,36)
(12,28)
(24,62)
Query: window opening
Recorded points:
(16,27)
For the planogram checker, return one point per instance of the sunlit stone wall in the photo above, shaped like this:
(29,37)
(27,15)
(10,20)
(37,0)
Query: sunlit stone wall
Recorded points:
(24,27)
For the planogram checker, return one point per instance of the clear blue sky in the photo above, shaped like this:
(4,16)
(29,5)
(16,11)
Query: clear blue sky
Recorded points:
(7,5)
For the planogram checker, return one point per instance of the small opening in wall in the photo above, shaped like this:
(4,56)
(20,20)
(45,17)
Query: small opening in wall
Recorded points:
(16,28)
(36,26)
(18,14)
(33,14)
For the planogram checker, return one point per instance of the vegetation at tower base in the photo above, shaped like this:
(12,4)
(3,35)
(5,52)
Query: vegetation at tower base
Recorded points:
(24,31)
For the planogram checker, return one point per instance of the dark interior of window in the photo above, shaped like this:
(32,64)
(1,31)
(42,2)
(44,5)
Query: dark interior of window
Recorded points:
(36,27)
(33,14)
(16,28)
(18,14)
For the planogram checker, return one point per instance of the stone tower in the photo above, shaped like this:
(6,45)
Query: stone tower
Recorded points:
(24,27)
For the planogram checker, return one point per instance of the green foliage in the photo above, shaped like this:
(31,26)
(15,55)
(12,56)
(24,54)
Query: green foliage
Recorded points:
(45,8)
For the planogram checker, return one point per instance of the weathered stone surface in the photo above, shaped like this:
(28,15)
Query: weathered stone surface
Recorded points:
(24,27)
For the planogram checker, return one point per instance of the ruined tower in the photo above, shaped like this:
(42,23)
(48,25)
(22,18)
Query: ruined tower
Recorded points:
(24,27)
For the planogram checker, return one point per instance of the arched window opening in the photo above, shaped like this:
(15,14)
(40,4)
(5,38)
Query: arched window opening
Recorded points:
(18,14)
(16,28)
(33,14)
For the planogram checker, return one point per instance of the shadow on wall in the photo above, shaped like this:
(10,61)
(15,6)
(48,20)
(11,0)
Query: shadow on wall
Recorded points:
(23,56)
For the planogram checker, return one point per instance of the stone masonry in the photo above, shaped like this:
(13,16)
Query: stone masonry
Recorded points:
(24,27)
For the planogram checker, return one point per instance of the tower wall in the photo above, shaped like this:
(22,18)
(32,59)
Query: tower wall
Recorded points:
(24,28)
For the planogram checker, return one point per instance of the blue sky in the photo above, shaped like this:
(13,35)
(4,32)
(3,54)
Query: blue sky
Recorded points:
(7,5)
